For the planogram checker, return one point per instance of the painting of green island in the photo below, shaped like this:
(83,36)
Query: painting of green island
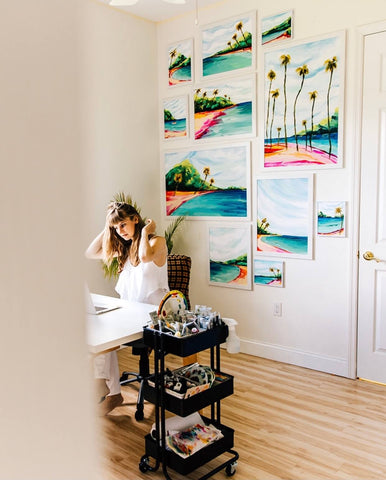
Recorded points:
(208,182)
(228,46)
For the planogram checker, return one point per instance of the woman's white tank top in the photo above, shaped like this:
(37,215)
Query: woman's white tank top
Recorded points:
(145,283)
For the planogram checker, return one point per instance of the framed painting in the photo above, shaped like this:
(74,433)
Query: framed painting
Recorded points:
(284,216)
(303,92)
(208,182)
(175,118)
(225,109)
(269,273)
(230,256)
(277,27)
(229,45)
(180,62)
(331,219)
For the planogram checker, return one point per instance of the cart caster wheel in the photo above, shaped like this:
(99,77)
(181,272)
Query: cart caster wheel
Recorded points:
(139,415)
(230,470)
(144,464)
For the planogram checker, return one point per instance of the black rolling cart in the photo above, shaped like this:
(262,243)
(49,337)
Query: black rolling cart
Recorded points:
(158,395)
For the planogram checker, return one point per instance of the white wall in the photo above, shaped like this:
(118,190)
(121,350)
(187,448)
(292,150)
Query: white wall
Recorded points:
(120,106)
(315,329)
(46,421)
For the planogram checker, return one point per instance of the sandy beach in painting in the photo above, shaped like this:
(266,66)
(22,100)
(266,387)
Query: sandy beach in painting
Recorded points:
(176,199)
(274,283)
(279,156)
(264,247)
(172,134)
(280,37)
(241,279)
(175,81)
(335,232)
(203,121)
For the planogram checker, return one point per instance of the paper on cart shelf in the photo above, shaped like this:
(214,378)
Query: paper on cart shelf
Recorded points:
(177,424)
(189,441)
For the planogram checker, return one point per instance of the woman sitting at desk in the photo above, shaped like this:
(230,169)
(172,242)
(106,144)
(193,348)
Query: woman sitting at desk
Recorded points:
(143,276)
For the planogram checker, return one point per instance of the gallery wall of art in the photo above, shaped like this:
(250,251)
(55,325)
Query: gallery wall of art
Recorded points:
(256,135)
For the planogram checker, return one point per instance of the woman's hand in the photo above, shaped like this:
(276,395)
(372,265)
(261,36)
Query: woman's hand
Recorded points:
(149,228)
(153,249)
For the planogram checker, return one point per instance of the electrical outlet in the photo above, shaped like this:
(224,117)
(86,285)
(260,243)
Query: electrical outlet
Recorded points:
(277,309)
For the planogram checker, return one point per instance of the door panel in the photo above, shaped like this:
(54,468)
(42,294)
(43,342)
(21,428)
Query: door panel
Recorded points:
(371,358)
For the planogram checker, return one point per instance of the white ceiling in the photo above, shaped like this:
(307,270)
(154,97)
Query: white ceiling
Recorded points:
(158,10)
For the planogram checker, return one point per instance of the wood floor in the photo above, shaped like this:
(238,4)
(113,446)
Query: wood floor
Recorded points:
(290,423)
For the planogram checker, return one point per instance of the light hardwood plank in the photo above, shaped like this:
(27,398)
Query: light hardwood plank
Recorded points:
(290,423)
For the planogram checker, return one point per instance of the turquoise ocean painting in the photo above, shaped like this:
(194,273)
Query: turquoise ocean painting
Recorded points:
(284,216)
(229,249)
(209,182)
(277,27)
(227,46)
(303,104)
(175,117)
(268,272)
(224,109)
(331,219)
(180,62)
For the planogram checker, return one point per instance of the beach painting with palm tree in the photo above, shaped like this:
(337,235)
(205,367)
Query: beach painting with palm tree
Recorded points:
(331,219)
(224,109)
(229,256)
(208,182)
(180,61)
(175,117)
(268,272)
(228,45)
(277,27)
(285,216)
(303,98)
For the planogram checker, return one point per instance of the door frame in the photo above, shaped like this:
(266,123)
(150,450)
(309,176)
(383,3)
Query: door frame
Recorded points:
(362,32)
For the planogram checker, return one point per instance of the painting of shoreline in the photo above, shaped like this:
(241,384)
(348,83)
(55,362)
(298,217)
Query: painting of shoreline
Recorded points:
(229,256)
(180,56)
(268,273)
(284,216)
(304,104)
(331,219)
(208,182)
(222,110)
(277,27)
(175,112)
(228,45)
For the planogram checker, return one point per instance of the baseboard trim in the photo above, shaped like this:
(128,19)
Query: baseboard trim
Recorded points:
(322,363)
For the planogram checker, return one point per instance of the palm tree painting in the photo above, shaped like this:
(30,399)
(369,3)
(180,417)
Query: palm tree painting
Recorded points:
(268,272)
(311,77)
(180,55)
(228,45)
(229,256)
(331,219)
(284,216)
(208,182)
(224,109)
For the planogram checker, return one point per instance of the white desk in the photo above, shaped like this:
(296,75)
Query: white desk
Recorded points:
(112,329)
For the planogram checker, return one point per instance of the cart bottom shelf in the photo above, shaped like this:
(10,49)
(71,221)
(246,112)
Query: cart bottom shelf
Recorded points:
(206,454)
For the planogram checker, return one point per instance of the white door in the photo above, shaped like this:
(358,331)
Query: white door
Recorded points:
(371,358)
